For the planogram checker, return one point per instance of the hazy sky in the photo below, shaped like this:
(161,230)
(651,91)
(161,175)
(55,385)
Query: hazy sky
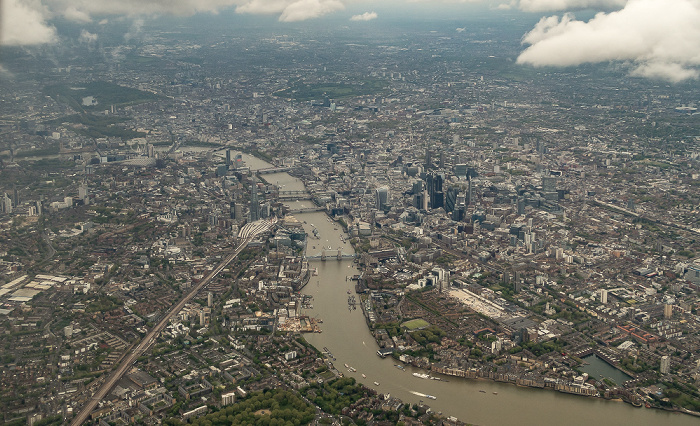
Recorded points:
(655,38)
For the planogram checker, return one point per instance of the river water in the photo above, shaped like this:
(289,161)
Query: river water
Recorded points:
(346,335)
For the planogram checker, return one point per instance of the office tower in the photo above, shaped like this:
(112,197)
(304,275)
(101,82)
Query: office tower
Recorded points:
(470,199)
(418,200)
(442,159)
(428,159)
(228,157)
(451,199)
(665,367)
(460,170)
(382,197)
(549,184)
(460,209)
(434,186)
(603,296)
(83,193)
(668,311)
(7,204)
(254,203)
(417,187)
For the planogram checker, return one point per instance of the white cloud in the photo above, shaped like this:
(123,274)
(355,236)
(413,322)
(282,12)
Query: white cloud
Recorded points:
(135,30)
(291,10)
(87,37)
(302,10)
(367,16)
(660,38)
(672,72)
(5,73)
(23,22)
(263,6)
(564,5)
(141,7)
(73,14)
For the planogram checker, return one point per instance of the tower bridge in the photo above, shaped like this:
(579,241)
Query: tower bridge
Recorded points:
(331,255)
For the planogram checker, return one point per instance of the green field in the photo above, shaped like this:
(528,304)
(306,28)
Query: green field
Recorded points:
(106,94)
(97,126)
(415,324)
(304,92)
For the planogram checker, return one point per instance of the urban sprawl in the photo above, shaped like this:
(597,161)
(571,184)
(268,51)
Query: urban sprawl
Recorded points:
(508,223)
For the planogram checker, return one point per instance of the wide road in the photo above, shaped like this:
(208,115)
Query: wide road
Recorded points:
(248,232)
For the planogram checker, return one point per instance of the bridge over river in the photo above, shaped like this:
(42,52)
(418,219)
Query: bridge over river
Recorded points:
(272,170)
(331,255)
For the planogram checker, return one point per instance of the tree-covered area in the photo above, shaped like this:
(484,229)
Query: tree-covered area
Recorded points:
(275,407)
(103,304)
(432,334)
(335,395)
(541,348)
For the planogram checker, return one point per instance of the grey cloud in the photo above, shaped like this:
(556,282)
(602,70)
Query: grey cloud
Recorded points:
(661,39)
(566,5)
(87,37)
(24,22)
(367,16)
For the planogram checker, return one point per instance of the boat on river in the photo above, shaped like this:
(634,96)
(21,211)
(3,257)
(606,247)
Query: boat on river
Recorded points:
(376,383)
(430,397)
(422,376)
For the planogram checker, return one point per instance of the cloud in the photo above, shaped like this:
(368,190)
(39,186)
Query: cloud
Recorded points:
(133,8)
(291,10)
(73,14)
(263,7)
(87,37)
(367,16)
(135,30)
(5,73)
(672,72)
(302,10)
(23,22)
(661,39)
(565,5)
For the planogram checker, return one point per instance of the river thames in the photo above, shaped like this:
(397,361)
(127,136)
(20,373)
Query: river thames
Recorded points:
(482,402)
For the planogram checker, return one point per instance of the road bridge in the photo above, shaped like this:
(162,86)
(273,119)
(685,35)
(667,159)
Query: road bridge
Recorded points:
(308,210)
(271,170)
(331,255)
(295,197)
